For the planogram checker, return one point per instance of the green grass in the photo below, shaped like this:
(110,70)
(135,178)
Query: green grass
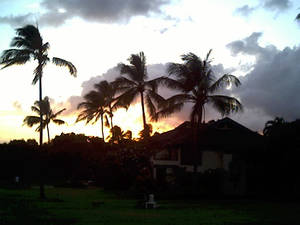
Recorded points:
(66,206)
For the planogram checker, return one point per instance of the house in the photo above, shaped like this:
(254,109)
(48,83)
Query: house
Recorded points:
(222,144)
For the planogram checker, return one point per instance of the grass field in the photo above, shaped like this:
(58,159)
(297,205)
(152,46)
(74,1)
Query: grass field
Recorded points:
(66,206)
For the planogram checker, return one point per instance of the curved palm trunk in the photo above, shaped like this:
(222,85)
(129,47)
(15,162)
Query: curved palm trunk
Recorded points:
(143,110)
(102,127)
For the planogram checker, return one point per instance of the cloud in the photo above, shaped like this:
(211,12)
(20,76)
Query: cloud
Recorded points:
(276,5)
(105,11)
(250,46)
(15,21)
(57,12)
(17,105)
(273,84)
(245,10)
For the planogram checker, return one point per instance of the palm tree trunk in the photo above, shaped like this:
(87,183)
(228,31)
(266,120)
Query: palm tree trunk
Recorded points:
(143,110)
(42,188)
(102,127)
(41,115)
(48,132)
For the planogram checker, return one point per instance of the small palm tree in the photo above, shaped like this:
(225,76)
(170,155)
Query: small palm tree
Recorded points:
(94,108)
(108,90)
(196,83)
(135,84)
(26,45)
(117,135)
(272,126)
(43,107)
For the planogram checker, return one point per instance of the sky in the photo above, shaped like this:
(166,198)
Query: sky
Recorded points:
(257,40)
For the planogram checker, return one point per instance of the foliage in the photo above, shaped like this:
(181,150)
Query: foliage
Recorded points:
(43,108)
(26,45)
(135,83)
(195,81)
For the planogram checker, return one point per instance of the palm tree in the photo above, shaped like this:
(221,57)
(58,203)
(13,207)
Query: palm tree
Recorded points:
(273,126)
(108,90)
(135,84)
(94,108)
(195,80)
(43,108)
(26,45)
(117,135)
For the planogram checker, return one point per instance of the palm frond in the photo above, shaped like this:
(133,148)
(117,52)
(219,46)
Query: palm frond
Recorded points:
(18,59)
(32,34)
(127,97)
(31,120)
(151,108)
(167,111)
(35,109)
(58,121)
(58,113)
(225,104)
(224,81)
(65,63)
(298,17)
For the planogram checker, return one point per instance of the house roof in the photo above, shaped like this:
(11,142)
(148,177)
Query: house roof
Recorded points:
(221,134)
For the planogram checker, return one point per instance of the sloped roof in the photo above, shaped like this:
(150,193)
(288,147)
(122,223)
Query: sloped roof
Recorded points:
(224,133)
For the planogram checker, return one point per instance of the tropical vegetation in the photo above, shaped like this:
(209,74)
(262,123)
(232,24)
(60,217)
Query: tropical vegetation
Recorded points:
(43,108)
(26,45)
(134,83)
(197,85)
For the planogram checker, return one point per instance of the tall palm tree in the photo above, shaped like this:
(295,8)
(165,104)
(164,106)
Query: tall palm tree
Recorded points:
(94,108)
(26,45)
(196,83)
(43,108)
(135,84)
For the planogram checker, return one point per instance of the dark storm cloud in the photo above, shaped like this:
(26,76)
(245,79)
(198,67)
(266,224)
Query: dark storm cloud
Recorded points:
(272,86)
(106,11)
(245,10)
(250,46)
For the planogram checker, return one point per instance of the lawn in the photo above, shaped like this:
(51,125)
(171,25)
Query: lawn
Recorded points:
(66,206)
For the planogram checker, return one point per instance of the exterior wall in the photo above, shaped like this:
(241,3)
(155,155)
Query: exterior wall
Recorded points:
(210,160)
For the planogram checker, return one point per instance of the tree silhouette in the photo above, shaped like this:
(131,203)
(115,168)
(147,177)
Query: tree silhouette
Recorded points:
(135,84)
(274,126)
(195,81)
(94,108)
(117,135)
(43,107)
(108,90)
(26,45)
